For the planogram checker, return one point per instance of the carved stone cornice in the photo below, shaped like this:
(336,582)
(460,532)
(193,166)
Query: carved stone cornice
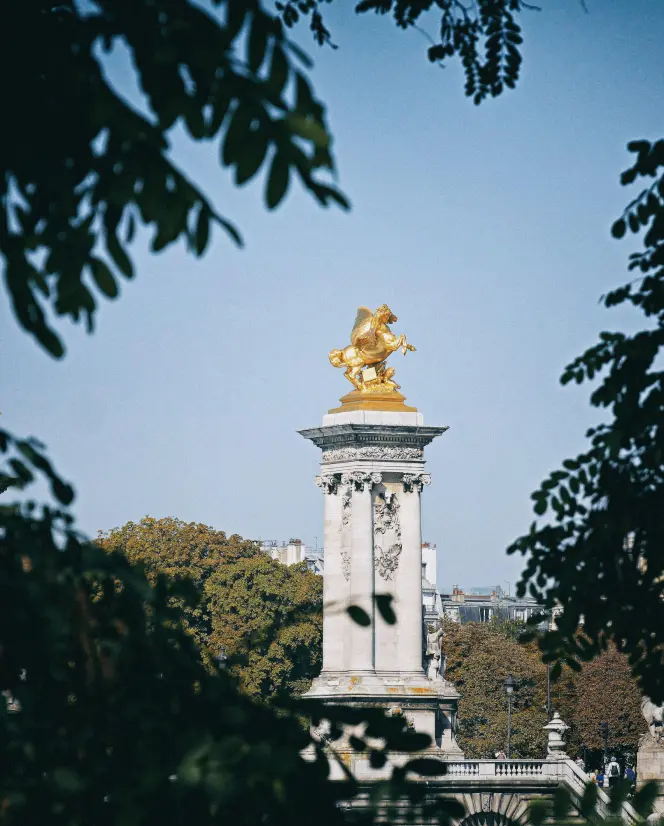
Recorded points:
(414,482)
(328,483)
(369,435)
(358,480)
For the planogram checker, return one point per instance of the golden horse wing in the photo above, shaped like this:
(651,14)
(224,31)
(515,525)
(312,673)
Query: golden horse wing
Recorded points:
(361,325)
(365,337)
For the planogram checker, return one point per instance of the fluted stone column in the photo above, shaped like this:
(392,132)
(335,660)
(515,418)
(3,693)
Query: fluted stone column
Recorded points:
(410,597)
(334,617)
(361,653)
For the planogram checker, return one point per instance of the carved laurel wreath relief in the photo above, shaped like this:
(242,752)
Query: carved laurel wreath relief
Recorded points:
(387,534)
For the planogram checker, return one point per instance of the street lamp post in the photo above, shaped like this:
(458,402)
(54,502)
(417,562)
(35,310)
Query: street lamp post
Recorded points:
(509,685)
(605,735)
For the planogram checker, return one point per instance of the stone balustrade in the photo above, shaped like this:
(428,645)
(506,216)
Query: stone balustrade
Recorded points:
(505,778)
(497,768)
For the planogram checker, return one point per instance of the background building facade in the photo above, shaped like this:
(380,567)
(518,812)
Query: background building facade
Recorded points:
(487,603)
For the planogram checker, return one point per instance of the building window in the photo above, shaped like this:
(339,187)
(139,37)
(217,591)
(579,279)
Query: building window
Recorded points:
(485,614)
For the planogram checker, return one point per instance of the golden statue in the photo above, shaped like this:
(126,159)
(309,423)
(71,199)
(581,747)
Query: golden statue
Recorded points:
(372,342)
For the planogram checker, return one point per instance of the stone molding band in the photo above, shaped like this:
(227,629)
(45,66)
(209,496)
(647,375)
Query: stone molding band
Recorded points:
(382,453)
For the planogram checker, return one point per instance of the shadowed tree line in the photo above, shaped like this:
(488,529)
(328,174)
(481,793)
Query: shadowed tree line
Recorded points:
(481,655)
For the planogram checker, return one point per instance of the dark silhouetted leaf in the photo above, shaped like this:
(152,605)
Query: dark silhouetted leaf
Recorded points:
(384,605)
(358,615)
(103,277)
(202,231)
(427,766)
(277,182)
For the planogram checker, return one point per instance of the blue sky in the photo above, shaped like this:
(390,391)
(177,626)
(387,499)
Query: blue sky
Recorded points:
(485,229)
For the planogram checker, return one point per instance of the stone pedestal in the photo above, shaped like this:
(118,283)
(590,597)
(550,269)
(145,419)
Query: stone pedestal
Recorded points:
(650,766)
(372,477)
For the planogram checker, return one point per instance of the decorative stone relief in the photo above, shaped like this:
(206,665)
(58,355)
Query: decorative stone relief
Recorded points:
(434,657)
(654,717)
(346,513)
(345,564)
(328,484)
(321,732)
(387,526)
(345,454)
(346,506)
(414,482)
(357,479)
(386,514)
(387,561)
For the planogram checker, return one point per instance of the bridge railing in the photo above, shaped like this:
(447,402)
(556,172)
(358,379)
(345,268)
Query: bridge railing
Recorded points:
(564,772)
(482,769)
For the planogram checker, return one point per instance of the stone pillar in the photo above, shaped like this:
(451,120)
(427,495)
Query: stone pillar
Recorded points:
(334,619)
(372,473)
(409,607)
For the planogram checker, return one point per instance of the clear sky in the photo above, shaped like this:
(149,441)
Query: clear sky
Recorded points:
(485,229)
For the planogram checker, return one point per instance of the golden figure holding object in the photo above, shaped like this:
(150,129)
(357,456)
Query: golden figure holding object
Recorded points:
(372,342)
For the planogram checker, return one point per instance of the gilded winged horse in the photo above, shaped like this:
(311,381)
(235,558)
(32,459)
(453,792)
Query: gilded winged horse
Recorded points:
(372,342)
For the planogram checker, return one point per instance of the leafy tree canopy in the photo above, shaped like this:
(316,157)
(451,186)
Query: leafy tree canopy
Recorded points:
(601,557)
(265,617)
(481,655)
(268,618)
(606,692)
(174,548)
(484,35)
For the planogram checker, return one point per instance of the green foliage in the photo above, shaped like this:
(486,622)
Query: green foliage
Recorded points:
(68,215)
(485,35)
(601,556)
(266,617)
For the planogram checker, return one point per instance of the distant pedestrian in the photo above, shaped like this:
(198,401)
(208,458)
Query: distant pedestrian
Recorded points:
(579,762)
(500,755)
(599,779)
(613,772)
(630,774)
(592,777)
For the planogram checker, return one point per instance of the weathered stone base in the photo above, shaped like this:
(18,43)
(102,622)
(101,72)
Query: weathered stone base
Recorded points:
(650,766)
(430,707)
